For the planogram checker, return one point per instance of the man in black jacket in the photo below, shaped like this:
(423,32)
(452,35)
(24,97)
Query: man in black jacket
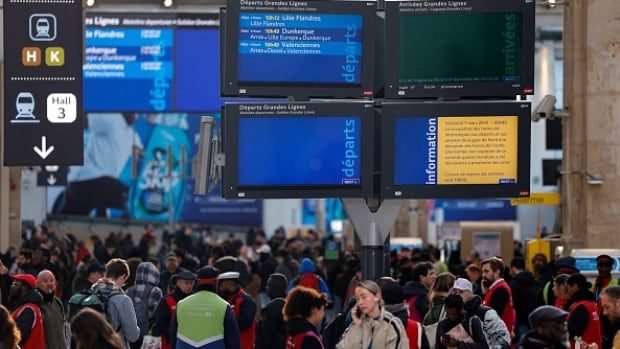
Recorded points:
(271,332)
(548,329)
(525,290)
(183,284)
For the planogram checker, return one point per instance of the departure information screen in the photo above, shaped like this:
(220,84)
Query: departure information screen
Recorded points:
(300,47)
(298,150)
(473,47)
(446,150)
(151,62)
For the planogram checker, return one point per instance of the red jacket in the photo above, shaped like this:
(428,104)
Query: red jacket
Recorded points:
(37,335)
(592,333)
(508,314)
(414,334)
(247,335)
(171,304)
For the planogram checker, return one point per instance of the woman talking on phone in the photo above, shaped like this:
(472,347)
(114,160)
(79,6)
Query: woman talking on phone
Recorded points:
(373,327)
(458,330)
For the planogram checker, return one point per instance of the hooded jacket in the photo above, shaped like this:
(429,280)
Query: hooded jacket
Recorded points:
(524,288)
(146,286)
(119,310)
(495,329)
(417,299)
(386,332)
(307,269)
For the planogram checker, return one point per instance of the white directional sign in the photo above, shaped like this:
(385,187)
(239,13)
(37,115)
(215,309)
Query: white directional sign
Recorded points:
(43,117)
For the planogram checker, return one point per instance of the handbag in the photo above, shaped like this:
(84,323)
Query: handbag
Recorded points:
(431,330)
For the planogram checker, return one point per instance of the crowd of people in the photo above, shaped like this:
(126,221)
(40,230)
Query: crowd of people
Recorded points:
(192,289)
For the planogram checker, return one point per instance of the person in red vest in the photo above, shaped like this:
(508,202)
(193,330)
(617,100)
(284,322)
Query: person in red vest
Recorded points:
(584,324)
(394,298)
(27,311)
(243,306)
(183,285)
(498,294)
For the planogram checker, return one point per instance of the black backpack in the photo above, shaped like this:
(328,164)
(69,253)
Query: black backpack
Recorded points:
(97,301)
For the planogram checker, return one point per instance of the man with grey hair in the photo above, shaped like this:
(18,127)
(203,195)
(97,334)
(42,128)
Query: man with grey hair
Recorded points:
(493,327)
(52,310)
(610,302)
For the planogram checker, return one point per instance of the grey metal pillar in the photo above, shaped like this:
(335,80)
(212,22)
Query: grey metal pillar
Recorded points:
(373,220)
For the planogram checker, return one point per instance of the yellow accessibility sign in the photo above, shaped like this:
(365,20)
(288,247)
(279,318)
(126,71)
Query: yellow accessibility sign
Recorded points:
(552,199)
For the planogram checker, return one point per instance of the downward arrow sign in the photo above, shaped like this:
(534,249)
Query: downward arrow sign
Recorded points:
(51,180)
(44,151)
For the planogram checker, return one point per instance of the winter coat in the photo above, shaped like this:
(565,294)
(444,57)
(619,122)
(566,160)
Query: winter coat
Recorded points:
(532,340)
(297,325)
(120,311)
(53,322)
(387,332)
(417,299)
(307,268)
(146,286)
(271,332)
(495,329)
(472,325)
(30,328)
(434,314)
(525,289)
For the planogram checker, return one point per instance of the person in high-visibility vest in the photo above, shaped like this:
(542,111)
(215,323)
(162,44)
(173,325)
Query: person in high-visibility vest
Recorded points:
(584,324)
(498,295)
(243,306)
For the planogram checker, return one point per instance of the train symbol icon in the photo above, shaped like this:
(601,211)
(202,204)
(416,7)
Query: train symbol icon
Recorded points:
(25,108)
(42,27)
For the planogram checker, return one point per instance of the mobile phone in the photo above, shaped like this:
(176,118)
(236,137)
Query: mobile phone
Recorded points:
(358,312)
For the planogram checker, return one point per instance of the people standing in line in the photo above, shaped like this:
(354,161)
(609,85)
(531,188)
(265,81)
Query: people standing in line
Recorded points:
(303,311)
(610,303)
(204,320)
(457,321)
(394,299)
(92,331)
(524,289)
(119,307)
(9,333)
(183,285)
(416,290)
(27,311)
(52,310)
(439,291)
(145,295)
(243,305)
(372,326)
(548,331)
(498,295)
(584,324)
(494,328)
(271,331)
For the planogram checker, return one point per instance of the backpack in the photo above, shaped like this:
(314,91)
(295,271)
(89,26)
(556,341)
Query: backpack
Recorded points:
(90,299)
(309,280)
(141,306)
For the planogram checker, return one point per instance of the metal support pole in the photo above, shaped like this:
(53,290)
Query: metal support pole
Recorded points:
(170,187)
(373,221)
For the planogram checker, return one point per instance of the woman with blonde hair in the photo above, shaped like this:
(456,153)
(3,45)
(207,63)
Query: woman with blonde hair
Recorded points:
(92,331)
(9,333)
(439,291)
(372,326)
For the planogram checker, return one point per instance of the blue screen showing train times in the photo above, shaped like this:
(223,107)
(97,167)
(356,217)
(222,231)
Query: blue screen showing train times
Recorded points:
(300,48)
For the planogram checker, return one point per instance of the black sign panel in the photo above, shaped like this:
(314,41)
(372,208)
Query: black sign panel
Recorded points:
(50,176)
(43,118)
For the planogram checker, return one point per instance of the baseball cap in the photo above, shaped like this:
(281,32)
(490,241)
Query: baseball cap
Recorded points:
(546,313)
(462,285)
(30,280)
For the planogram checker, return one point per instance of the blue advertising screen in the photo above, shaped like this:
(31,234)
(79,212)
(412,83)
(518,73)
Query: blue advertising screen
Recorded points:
(292,150)
(300,48)
(151,62)
(104,186)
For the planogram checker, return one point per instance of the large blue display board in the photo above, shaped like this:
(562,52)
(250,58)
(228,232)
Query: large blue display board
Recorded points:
(290,48)
(276,150)
(151,62)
